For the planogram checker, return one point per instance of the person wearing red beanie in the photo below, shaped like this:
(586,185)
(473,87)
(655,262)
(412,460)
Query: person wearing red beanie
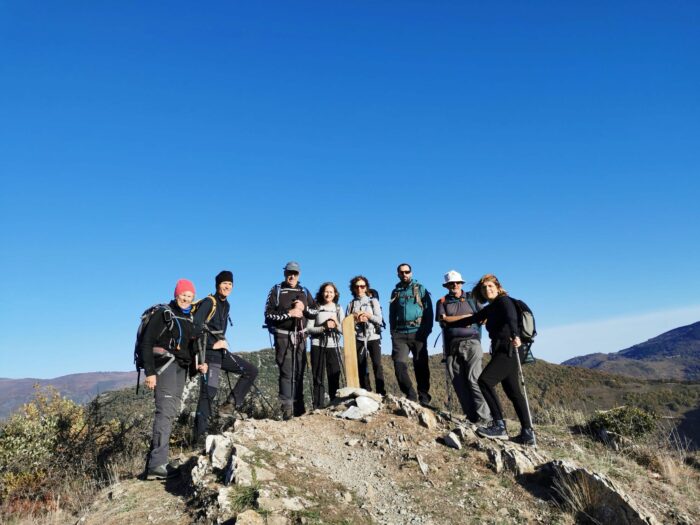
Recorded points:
(183,285)
(167,349)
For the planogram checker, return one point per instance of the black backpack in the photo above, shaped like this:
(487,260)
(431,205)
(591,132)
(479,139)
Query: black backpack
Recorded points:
(146,316)
(528,330)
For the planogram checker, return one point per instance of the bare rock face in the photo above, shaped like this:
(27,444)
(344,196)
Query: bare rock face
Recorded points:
(412,410)
(250,517)
(466,435)
(495,457)
(594,495)
(452,441)
(521,460)
(358,392)
(359,403)
(220,448)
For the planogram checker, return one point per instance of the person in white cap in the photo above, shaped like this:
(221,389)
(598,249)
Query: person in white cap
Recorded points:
(463,352)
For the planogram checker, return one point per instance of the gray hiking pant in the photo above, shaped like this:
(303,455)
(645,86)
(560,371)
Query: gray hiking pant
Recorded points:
(464,369)
(168,394)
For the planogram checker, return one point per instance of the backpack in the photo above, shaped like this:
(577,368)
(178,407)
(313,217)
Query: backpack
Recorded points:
(198,304)
(146,317)
(375,294)
(416,309)
(528,330)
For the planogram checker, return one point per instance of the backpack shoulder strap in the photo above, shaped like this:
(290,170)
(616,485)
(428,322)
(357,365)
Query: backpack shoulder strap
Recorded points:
(213,307)
(416,294)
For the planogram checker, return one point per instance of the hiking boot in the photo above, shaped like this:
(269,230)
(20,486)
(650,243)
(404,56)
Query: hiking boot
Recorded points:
(496,430)
(162,472)
(526,437)
(287,413)
(227,409)
(200,442)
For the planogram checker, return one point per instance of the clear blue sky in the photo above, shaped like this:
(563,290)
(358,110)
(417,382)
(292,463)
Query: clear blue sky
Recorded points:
(552,143)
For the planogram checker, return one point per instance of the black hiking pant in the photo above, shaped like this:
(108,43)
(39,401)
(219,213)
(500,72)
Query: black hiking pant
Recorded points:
(219,360)
(504,369)
(290,355)
(370,351)
(324,360)
(403,345)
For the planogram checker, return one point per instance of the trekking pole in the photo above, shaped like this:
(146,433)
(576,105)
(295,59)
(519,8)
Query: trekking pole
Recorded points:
(448,378)
(448,381)
(262,396)
(294,365)
(522,383)
(340,359)
(322,371)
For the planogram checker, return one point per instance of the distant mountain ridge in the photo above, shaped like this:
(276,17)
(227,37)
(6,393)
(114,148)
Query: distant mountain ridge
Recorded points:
(81,388)
(672,355)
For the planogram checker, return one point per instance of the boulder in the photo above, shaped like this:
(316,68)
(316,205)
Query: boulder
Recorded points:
(220,448)
(593,495)
(452,441)
(466,435)
(366,404)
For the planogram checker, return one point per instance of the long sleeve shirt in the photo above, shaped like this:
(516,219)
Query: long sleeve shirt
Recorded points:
(317,329)
(501,319)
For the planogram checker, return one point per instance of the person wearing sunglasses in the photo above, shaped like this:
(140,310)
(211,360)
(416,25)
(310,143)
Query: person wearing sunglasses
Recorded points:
(368,322)
(501,318)
(288,306)
(462,348)
(410,324)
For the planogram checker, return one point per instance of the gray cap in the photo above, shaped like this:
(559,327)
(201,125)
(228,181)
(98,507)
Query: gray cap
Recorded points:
(292,266)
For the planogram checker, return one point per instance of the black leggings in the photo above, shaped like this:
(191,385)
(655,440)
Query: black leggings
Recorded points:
(503,369)
(325,360)
(372,353)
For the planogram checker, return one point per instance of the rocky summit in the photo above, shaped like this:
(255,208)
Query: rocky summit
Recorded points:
(387,460)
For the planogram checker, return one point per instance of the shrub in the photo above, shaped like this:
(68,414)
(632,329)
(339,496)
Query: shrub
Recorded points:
(53,449)
(626,421)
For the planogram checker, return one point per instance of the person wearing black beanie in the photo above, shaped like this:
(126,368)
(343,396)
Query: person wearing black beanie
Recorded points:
(211,319)
(224,276)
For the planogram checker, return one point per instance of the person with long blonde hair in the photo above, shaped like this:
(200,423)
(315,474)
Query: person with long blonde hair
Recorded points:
(501,319)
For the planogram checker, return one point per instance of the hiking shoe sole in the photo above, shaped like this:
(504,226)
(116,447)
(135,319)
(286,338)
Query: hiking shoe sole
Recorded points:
(486,434)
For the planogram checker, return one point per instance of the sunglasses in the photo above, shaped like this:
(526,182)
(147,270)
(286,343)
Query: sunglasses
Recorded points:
(405,272)
(452,285)
(360,286)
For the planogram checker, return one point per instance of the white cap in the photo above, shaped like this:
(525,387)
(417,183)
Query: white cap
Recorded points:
(453,276)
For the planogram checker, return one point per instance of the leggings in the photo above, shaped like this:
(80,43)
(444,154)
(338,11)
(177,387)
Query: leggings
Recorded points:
(504,369)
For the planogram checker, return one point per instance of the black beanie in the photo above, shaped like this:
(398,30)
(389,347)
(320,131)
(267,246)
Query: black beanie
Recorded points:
(224,275)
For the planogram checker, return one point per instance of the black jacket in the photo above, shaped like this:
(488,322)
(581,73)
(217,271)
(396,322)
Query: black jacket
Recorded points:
(217,324)
(279,302)
(176,340)
(501,320)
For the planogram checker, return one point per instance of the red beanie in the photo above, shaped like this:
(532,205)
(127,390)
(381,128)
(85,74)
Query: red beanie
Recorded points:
(183,285)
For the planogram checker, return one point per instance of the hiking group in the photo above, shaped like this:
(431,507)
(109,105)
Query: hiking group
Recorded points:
(184,338)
